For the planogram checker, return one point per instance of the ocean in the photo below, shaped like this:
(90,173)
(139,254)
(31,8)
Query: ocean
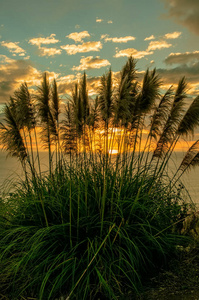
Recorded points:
(11,172)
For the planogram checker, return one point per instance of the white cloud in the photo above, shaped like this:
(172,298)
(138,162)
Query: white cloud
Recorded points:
(44,51)
(89,62)
(44,40)
(13,47)
(124,39)
(69,78)
(132,52)
(104,36)
(151,37)
(98,20)
(78,36)
(49,51)
(154,45)
(173,35)
(85,47)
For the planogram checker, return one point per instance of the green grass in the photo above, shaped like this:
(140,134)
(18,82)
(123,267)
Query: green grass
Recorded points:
(84,233)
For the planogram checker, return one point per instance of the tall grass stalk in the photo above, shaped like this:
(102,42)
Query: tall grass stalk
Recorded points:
(95,223)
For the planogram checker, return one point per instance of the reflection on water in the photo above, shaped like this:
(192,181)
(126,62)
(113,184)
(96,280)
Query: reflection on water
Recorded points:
(10,171)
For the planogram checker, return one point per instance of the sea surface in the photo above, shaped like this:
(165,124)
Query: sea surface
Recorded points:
(11,172)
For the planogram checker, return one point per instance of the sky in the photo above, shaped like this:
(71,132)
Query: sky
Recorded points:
(68,37)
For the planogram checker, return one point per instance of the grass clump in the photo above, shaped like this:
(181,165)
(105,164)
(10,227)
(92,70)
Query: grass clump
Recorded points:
(82,246)
(95,225)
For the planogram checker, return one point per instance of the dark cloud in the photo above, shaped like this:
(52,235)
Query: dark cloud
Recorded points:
(185,12)
(182,58)
(65,88)
(172,76)
(13,74)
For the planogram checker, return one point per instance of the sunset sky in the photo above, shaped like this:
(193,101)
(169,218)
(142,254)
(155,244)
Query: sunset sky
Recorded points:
(67,37)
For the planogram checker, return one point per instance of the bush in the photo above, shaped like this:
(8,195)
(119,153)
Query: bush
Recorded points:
(95,224)
(84,233)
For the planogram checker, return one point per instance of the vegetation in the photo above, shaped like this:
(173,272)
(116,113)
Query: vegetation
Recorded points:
(96,224)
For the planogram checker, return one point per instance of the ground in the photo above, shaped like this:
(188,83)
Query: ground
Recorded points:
(180,281)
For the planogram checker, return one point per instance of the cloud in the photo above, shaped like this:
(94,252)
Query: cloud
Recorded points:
(13,74)
(78,36)
(172,76)
(13,47)
(49,51)
(124,39)
(173,35)
(85,47)
(95,82)
(185,12)
(110,22)
(132,52)
(87,63)
(4,59)
(44,51)
(98,20)
(104,36)
(194,89)
(151,37)
(93,85)
(66,84)
(44,41)
(69,78)
(182,58)
(154,45)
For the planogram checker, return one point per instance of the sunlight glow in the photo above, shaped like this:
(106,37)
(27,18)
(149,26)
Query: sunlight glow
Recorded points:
(113,151)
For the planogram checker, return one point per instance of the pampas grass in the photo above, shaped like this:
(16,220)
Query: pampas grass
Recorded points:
(95,224)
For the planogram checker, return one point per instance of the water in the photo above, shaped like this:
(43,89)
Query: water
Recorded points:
(10,172)
(189,178)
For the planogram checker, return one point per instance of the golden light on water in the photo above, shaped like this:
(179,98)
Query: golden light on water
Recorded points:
(116,139)
(113,151)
